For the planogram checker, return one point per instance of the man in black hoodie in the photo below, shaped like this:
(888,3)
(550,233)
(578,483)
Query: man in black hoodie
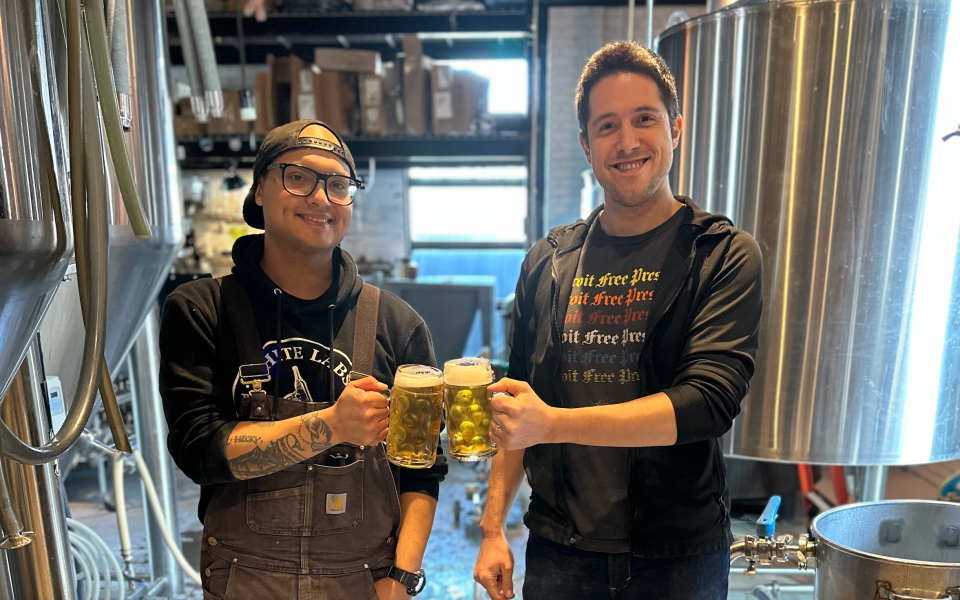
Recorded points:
(266,411)
(635,333)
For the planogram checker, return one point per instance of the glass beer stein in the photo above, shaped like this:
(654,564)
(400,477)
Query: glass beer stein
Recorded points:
(416,407)
(467,403)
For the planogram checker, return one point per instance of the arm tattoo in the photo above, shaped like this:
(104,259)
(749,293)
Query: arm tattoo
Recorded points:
(278,455)
(317,432)
(249,439)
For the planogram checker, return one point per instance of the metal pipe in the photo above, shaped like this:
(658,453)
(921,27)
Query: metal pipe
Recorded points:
(151,432)
(649,23)
(43,570)
(874,484)
(117,36)
(206,57)
(197,103)
(533,208)
(6,580)
(631,9)
(97,35)
(92,230)
(773,572)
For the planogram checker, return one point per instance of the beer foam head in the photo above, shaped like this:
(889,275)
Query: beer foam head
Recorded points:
(418,376)
(467,372)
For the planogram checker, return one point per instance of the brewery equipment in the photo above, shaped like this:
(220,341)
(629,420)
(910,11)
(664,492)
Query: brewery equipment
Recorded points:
(894,550)
(818,126)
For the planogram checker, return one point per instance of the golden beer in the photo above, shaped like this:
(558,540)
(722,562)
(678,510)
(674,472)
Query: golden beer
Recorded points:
(467,403)
(416,405)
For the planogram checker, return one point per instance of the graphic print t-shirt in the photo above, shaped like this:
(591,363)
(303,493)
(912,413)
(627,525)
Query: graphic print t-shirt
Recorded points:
(604,330)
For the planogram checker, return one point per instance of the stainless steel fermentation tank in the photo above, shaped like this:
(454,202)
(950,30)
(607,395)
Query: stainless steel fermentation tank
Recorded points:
(35,251)
(817,127)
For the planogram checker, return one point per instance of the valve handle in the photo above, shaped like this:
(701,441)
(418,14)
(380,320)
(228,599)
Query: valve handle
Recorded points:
(767,523)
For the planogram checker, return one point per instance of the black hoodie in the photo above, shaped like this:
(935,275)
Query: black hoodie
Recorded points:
(199,366)
(701,342)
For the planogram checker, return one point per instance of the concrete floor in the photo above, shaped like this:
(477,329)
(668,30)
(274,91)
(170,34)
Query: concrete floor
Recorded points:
(454,542)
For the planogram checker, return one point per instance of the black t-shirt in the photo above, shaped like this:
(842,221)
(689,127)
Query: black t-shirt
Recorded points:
(603,333)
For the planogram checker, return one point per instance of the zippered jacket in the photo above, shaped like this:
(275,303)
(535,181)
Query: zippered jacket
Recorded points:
(701,343)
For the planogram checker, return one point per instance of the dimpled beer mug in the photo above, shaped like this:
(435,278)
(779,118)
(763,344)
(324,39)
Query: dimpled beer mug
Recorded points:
(467,402)
(416,407)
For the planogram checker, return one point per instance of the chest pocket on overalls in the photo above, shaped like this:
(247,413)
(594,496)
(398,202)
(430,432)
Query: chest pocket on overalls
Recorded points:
(307,499)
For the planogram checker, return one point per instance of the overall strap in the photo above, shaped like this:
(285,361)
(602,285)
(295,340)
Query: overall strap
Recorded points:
(240,313)
(365,329)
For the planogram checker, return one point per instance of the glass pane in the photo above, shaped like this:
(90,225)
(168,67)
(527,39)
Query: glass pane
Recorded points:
(509,81)
(467,213)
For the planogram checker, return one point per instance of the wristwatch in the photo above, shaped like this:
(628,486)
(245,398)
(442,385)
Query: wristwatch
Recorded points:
(414,582)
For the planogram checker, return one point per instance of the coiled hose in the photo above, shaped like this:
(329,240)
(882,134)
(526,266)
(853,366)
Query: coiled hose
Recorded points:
(91,553)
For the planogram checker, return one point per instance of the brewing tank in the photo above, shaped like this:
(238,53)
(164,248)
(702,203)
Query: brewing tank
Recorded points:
(818,127)
(137,268)
(34,249)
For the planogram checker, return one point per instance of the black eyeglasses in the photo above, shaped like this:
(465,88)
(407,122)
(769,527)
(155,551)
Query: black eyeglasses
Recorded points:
(301,181)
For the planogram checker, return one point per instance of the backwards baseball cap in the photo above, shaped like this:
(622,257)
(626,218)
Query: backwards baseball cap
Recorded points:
(283,139)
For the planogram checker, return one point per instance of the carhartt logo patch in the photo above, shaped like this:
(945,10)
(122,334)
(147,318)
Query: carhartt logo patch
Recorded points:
(336,504)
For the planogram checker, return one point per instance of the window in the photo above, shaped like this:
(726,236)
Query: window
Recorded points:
(509,82)
(470,221)
(468,206)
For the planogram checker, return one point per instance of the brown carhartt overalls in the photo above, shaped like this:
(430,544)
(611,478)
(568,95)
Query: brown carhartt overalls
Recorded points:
(311,531)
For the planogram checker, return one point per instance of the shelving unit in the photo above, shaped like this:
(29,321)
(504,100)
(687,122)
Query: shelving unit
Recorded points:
(389,151)
(498,33)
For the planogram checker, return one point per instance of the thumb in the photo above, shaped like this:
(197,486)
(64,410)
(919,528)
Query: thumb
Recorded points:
(509,386)
(367,384)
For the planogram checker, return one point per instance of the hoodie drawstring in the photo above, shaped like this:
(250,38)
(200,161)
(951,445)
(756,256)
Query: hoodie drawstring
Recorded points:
(276,382)
(333,389)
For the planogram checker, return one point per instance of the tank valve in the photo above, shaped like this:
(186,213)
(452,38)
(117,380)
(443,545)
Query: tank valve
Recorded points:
(767,548)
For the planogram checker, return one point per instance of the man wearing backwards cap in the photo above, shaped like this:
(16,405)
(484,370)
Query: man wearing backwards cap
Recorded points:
(297,497)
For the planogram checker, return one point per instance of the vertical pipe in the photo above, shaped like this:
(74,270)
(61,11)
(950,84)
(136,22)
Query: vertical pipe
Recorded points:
(151,429)
(6,579)
(631,11)
(42,570)
(874,484)
(533,203)
(649,23)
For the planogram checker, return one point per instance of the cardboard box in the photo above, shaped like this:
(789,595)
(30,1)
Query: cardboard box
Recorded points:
(338,98)
(230,123)
(184,122)
(458,97)
(414,86)
(442,84)
(469,99)
(351,61)
(372,117)
(393,98)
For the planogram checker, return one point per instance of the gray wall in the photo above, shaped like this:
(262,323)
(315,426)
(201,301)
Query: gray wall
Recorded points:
(573,35)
